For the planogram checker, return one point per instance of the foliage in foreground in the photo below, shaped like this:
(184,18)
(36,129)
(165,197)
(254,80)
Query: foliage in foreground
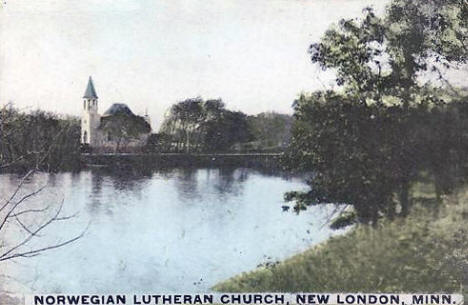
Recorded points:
(368,140)
(425,252)
(368,156)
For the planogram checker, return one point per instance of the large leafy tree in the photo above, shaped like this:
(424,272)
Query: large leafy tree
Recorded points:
(221,132)
(182,122)
(361,140)
(123,128)
(199,125)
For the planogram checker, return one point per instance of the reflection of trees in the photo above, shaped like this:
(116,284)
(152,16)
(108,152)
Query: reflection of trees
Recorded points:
(187,183)
(96,181)
(96,190)
(230,180)
(192,184)
(109,186)
(129,179)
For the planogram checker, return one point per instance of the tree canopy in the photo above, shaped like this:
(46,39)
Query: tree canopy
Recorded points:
(25,138)
(198,125)
(124,127)
(370,139)
(271,130)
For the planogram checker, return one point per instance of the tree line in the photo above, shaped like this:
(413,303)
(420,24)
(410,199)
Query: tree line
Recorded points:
(38,139)
(52,142)
(197,125)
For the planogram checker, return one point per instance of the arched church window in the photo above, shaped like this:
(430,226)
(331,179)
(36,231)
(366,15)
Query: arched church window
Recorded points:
(84,105)
(85,137)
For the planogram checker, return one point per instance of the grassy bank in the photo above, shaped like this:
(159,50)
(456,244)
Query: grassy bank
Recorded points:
(426,252)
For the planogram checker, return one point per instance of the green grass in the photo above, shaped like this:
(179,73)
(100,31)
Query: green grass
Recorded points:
(426,252)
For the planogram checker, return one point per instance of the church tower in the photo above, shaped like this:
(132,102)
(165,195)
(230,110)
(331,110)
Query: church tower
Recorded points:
(90,119)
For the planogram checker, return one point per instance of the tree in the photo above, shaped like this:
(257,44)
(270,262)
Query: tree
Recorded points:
(374,57)
(341,142)
(123,128)
(220,133)
(159,142)
(198,125)
(183,121)
(270,130)
(23,135)
(363,141)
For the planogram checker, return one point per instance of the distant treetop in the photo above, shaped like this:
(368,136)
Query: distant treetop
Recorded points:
(118,108)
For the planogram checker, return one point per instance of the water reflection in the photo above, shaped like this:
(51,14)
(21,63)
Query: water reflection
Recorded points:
(189,182)
(186,184)
(171,230)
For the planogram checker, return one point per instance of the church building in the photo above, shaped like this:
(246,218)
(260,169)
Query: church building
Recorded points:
(116,130)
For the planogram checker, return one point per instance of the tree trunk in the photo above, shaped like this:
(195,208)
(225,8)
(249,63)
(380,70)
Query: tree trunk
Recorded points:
(438,188)
(404,198)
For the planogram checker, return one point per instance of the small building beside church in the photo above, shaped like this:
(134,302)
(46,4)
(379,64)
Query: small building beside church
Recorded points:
(117,130)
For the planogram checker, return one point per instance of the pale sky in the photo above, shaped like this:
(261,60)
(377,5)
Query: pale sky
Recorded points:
(151,54)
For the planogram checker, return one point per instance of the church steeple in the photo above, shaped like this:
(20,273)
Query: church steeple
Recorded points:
(90,92)
(90,118)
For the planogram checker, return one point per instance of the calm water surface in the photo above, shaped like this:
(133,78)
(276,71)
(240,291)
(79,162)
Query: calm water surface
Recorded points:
(181,230)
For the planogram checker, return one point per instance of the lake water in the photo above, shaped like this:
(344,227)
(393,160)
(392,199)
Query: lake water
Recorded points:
(179,230)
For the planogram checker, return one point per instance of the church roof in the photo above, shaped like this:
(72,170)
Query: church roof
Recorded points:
(90,91)
(118,108)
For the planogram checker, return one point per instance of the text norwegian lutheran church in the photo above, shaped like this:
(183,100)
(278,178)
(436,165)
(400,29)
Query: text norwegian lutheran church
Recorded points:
(246,298)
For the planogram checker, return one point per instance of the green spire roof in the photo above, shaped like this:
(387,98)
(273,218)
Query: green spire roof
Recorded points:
(90,91)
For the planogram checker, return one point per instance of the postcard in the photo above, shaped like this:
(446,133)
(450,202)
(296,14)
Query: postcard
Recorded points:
(233,152)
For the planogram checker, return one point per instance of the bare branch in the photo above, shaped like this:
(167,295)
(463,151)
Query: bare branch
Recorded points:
(446,81)
(30,211)
(40,250)
(28,174)
(34,233)
(338,210)
(15,205)
(67,217)
(23,226)
(12,162)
